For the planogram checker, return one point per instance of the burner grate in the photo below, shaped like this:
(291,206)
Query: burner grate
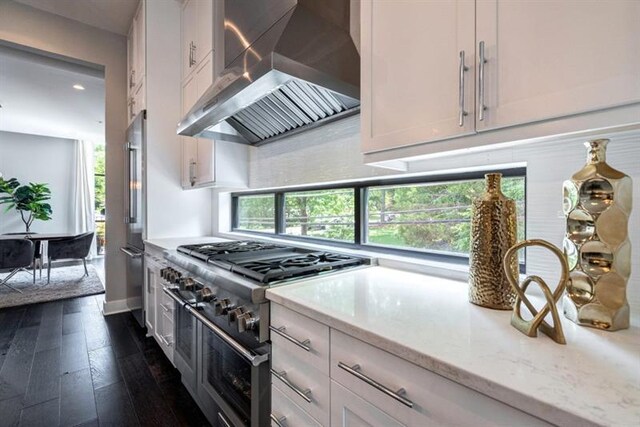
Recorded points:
(280,268)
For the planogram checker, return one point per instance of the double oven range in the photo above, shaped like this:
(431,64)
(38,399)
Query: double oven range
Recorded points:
(221,320)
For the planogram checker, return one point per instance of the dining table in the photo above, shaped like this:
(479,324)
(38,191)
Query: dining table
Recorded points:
(36,237)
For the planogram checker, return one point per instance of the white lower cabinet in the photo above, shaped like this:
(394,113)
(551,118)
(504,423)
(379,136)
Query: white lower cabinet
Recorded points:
(158,307)
(349,410)
(366,386)
(285,413)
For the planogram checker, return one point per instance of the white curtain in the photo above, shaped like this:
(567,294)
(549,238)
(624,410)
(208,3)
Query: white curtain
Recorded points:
(82,211)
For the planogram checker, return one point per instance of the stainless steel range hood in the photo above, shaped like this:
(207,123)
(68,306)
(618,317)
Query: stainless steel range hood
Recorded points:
(289,66)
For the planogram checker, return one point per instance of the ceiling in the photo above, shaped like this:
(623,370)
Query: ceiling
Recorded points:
(110,15)
(38,98)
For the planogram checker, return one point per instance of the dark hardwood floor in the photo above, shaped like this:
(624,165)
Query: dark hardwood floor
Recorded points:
(63,363)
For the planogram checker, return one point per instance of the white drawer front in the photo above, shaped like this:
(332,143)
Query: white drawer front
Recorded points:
(302,383)
(288,413)
(349,410)
(297,330)
(435,400)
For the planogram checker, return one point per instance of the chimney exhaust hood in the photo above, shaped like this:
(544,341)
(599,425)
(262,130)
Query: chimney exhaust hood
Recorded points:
(289,66)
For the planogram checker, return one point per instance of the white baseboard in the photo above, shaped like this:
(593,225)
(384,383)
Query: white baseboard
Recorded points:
(120,305)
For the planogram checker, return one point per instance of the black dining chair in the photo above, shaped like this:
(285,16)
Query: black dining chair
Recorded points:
(16,255)
(76,247)
(37,252)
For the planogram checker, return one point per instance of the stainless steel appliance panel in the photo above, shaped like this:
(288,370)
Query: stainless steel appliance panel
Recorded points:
(135,215)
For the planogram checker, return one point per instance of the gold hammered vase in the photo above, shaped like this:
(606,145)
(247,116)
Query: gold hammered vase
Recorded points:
(597,205)
(493,232)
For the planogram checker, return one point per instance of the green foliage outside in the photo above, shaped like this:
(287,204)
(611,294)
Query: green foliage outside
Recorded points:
(29,200)
(100,195)
(433,217)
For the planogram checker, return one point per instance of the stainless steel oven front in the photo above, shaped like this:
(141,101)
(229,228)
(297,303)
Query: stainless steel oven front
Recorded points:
(185,350)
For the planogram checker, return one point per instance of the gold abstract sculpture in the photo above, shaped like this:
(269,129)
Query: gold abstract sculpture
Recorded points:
(530,327)
(597,205)
(493,232)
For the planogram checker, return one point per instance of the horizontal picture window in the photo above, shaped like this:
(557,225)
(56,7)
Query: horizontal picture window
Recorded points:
(434,217)
(326,214)
(257,213)
(426,217)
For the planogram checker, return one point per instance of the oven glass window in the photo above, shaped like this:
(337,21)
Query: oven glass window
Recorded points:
(326,214)
(184,339)
(256,213)
(228,374)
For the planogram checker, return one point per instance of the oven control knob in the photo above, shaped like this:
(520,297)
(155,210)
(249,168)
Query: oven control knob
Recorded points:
(176,277)
(222,306)
(205,295)
(186,284)
(246,322)
(236,313)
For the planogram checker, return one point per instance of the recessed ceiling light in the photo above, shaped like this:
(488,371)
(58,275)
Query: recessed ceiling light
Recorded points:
(78,87)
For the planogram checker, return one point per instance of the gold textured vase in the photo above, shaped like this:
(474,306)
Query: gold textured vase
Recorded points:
(493,232)
(597,205)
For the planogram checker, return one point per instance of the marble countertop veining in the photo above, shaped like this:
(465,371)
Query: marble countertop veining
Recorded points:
(592,380)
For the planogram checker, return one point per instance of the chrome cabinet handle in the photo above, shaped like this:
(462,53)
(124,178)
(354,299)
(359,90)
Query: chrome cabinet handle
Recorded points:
(192,172)
(223,420)
(278,421)
(282,376)
(190,53)
(132,78)
(481,61)
(461,70)
(281,331)
(194,54)
(165,341)
(397,395)
(165,308)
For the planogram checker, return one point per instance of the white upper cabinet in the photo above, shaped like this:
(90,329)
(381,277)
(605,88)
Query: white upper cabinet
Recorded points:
(198,53)
(189,31)
(136,63)
(540,60)
(414,84)
(551,59)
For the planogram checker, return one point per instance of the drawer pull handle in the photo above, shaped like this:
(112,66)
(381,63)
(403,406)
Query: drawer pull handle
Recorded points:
(165,340)
(278,421)
(281,331)
(397,395)
(165,308)
(282,376)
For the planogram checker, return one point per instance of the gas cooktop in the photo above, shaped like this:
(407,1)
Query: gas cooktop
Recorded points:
(266,262)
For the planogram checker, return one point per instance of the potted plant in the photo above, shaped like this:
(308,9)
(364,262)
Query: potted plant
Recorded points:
(29,200)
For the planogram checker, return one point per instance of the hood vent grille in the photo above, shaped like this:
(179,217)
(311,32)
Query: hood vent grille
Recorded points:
(293,105)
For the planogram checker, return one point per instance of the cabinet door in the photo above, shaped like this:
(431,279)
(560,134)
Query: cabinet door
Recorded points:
(204,75)
(140,48)
(130,64)
(349,410)
(413,88)
(188,34)
(205,170)
(189,161)
(204,28)
(189,93)
(551,59)
(150,298)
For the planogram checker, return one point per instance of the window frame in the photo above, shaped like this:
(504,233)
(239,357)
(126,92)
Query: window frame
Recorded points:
(360,189)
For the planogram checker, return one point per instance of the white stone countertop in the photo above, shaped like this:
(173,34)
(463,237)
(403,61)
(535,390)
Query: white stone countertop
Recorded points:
(592,380)
(170,243)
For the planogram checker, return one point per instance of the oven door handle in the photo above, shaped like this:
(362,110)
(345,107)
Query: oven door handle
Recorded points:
(255,359)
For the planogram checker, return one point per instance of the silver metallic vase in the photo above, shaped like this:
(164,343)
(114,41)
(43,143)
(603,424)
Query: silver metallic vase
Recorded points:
(493,232)
(597,205)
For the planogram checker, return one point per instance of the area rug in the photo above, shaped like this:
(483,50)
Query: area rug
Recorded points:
(66,282)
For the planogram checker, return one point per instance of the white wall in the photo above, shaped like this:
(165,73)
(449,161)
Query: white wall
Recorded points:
(332,153)
(29,159)
(40,30)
